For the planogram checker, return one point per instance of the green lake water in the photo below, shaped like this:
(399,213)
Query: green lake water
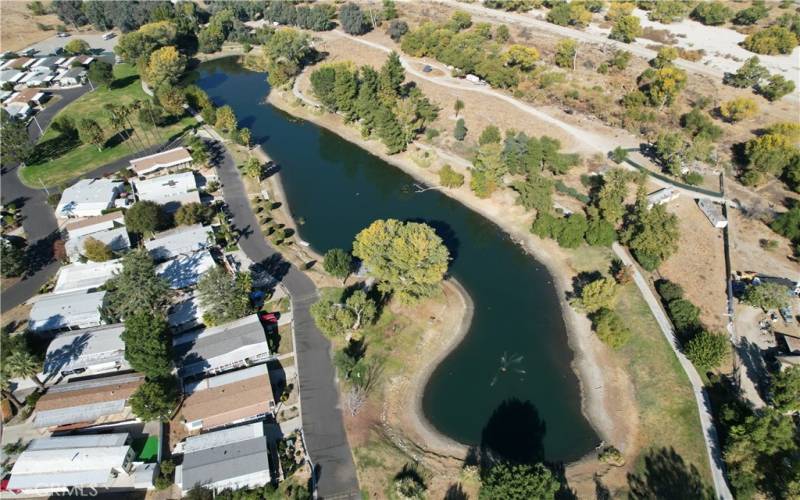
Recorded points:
(509,383)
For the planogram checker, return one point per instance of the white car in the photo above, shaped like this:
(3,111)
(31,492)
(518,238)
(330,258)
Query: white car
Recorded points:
(62,35)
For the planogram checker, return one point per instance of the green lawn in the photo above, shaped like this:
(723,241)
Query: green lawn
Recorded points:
(667,409)
(58,160)
(146,448)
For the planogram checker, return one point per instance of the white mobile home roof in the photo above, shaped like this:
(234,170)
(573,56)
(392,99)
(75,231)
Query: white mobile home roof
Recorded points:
(181,240)
(165,159)
(222,347)
(86,276)
(117,239)
(185,270)
(222,437)
(95,349)
(79,441)
(186,314)
(87,198)
(243,463)
(10,75)
(169,190)
(66,310)
(93,224)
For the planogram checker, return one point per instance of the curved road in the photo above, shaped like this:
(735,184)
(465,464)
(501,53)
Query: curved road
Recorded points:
(323,426)
(38,218)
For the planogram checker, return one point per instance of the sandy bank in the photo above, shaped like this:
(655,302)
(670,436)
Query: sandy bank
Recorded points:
(607,394)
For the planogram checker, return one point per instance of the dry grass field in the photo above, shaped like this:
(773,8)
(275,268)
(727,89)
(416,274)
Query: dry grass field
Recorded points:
(19,28)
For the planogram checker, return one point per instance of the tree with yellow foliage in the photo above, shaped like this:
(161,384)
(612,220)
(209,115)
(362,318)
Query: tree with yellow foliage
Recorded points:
(521,57)
(165,66)
(738,109)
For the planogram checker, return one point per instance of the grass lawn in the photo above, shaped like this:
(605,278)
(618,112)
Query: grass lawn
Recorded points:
(146,448)
(58,160)
(667,409)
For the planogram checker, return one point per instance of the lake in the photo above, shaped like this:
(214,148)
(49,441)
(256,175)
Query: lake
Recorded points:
(509,383)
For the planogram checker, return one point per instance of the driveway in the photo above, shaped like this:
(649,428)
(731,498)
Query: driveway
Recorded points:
(323,426)
(38,219)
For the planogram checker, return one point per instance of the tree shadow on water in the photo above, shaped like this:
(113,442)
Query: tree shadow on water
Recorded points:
(666,475)
(514,433)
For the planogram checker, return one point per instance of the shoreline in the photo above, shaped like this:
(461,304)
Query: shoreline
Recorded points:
(596,405)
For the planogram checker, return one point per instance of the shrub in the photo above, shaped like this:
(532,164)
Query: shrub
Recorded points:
(668,290)
(776,87)
(97,251)
(598,295)
(685,315)
(611,329)
(450,178)
(712,13)
(460,132)
(766,296)
(626,29)
(771,41)
(693,178)
(397,29)
(706,350)
(738,109)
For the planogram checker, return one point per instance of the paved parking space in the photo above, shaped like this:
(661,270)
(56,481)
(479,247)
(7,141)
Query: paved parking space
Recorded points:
(54,43)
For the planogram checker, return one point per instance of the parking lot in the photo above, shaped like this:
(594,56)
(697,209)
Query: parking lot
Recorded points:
(96,42)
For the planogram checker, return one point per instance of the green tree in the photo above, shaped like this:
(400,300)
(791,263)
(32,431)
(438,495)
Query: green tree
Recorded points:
(193,213)
(599,294)
(611,197)
(668,11)
(626,29)
(670,149)
(460,132)
(706,350)
(389,130)
(155,399)
(458,106)
(450,178)
(397,29)
(700,126)
(408,259)
(389,10)
(752,14)
(460,20)
(651,233)
(352,19)
(96,251)
(148,343)
(253,168)
(16,146)
(600,232)
(144,217)
(685,316)
(767,154)
(22,363)
(766,296)
(77,46)
(338,263)
(226,119)
(345,92)
(165,67)
(748,75)
(535,193)
(135,288)
(785,390)
(787,224)
(566,53)
(738,109)
(669,290)
(610,328)
(172,99)
(712,13)
(776,87)
(490,135)
(518,482)
(391,78)
(100,73)
(569,14)
(224,297)
(664,84)
(91,133)
(772,40)
(12,259)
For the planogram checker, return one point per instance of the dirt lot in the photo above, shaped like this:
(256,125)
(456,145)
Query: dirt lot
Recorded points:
(699,264)
(19,28)
(747,253)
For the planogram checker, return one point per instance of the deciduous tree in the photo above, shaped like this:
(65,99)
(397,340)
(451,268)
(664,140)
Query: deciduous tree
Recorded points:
(338,263)
(518,481)
(599,294)
(611,328)
(193,213)
(226,119)
(749,74)
(96,251)
(408,259)
(626,29)
(707,350)
(766,296)
(155,399)
(100,73)
(144,217)
(77,46)
(738,109)
(165,67)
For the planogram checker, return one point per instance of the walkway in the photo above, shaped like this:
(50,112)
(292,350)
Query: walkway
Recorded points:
(323,425)
(703,403)
(38,219)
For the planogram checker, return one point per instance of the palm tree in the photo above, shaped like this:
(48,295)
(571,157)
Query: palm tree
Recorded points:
(6,392)
(125,112)
(23,364)
(138,105)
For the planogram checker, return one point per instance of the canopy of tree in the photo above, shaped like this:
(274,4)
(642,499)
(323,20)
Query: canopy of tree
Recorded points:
(224,297)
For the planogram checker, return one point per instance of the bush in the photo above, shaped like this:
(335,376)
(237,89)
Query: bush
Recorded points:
(397,29)
(738,109)
(693,178)
(97,251)
(706,350)
(771,41)
(712,13)
(611,329)
(450,178)
(352,19)
(193,213)
(668,290)
(776,87)
(685,315)
(460,132)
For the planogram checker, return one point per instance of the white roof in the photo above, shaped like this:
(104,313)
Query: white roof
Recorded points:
(185,270)
(56,311)
(116,238)
(86,349)
(81,276)
(170,190)
(164,159)
(10,75)
(18,108)
(88,196)
(94,224)
(223,437)
(225,379)
(181,240)
(64,462)
(79,441)
(187,313)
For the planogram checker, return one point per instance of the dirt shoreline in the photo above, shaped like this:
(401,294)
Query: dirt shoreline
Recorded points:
(601,389)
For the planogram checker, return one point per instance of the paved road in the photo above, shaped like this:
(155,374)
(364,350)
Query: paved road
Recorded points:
(322,417)
(700,394)
(37,216)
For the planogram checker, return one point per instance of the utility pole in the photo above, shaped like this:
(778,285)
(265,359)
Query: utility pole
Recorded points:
(41,132)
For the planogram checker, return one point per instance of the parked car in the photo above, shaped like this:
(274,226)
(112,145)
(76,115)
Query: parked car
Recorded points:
(62,34)
(427,69)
